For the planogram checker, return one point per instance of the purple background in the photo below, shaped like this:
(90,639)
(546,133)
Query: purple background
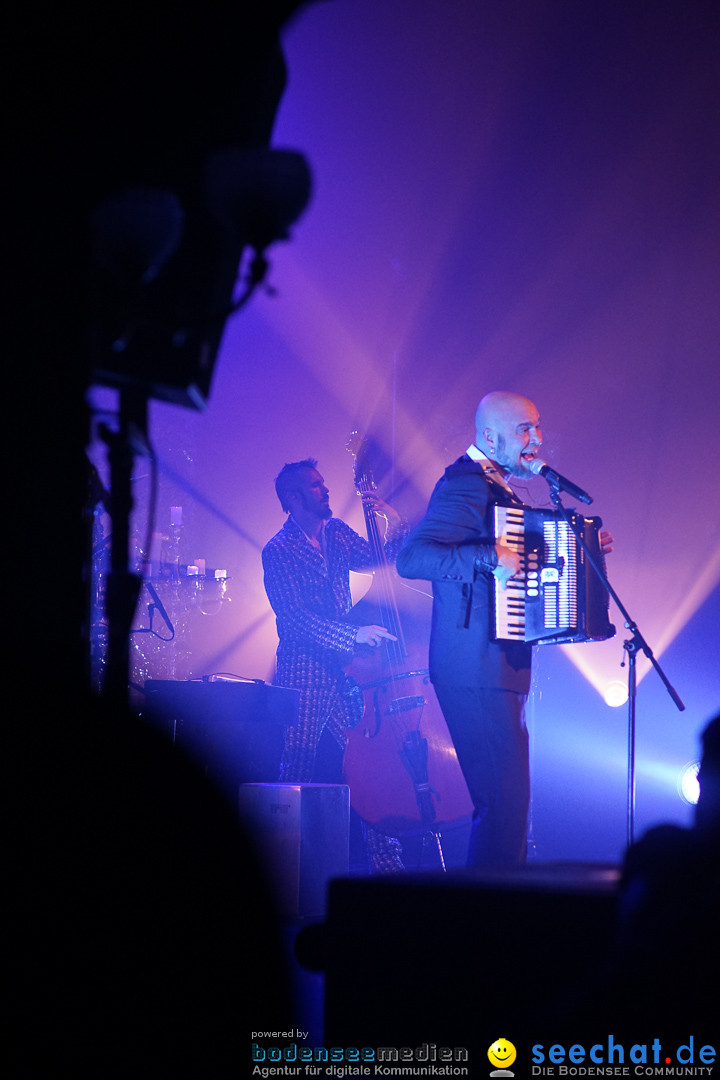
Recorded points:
(516,194)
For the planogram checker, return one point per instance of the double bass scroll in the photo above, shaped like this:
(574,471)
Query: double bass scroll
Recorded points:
(400,762)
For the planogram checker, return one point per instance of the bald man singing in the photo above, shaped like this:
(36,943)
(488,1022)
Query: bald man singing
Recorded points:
(482,685)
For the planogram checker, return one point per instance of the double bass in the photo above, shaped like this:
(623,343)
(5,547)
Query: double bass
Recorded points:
(399,763)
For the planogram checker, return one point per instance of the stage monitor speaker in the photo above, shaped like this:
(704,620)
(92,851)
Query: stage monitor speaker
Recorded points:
(234,730)
(302,832)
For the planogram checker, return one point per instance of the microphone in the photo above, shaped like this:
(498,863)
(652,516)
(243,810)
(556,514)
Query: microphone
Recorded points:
(541,468)
(160,608)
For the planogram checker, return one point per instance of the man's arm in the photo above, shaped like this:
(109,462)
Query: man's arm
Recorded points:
(359,550)
(451,542)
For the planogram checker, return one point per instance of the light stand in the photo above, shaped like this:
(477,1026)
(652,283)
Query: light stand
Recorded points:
(165,285)
(631,645)
(123,588)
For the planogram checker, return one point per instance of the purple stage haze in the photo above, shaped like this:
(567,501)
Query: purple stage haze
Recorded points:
(517,195)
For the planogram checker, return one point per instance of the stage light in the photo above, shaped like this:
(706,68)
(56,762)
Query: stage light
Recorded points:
(166,266)
(615,694)
(688,785)
(135,232)
(256,194)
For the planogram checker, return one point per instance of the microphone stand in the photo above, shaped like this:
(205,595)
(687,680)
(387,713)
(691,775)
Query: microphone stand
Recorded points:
(156,604)
(636,642)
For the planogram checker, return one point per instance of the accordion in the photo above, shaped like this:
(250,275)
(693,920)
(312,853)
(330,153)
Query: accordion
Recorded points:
(557,596)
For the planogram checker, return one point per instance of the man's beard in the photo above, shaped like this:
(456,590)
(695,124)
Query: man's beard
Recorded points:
(518,468)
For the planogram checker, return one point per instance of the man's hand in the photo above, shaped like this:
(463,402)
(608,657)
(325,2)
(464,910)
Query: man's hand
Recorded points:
(372,501)
(606,542)
(508,564)
(373,635)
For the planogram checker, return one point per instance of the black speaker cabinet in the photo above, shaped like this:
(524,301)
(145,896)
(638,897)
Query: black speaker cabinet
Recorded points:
(302,832)
(234,730)
(456,960)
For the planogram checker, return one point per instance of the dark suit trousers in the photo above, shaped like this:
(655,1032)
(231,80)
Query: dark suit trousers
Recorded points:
(491,740)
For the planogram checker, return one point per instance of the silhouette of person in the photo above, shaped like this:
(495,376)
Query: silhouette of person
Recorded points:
(656,978)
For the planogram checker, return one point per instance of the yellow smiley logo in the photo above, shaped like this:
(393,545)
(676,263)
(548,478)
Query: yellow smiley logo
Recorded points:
(502,1053)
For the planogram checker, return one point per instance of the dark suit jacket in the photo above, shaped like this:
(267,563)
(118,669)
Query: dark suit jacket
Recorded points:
(453,548)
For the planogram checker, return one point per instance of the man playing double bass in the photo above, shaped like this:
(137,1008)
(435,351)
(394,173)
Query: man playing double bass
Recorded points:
(307,580)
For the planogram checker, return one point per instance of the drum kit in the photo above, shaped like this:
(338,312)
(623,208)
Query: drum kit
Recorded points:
(174,594)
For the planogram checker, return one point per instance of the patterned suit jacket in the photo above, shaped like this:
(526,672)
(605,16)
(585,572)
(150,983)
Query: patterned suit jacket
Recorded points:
(311,598)
(453,547)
